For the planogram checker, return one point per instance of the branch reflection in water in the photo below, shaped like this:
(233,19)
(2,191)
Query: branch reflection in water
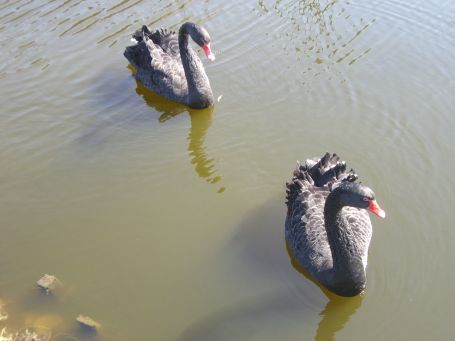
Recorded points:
(201,121)
(323,33)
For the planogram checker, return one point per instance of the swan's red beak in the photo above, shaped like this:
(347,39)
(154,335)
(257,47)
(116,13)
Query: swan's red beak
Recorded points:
(208,52)
(374,207)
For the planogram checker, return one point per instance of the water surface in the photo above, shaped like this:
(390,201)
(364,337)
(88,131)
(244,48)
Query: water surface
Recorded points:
(166,223)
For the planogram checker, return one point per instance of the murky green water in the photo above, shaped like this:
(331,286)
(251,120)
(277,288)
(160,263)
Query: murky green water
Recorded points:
(168,224)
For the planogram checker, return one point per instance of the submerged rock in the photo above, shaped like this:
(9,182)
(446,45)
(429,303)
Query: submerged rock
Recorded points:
(48,283)
(88,323)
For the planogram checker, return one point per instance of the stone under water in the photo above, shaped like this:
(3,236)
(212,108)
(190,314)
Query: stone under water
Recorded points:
(88,322)
(48,283)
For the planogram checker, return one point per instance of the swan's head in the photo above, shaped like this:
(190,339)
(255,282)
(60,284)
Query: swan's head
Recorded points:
(356,195)
(201,37)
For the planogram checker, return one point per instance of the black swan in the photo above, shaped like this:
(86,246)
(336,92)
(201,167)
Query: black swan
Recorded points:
(167,65)
(328,229)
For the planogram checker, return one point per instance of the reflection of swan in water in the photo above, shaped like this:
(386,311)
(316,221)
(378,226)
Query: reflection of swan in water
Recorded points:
(243,321)
(200,123)
(335,315)
(259,245)
(337,311)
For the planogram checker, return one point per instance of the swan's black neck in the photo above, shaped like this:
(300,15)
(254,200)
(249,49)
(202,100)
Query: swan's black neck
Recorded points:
(199,91)
(348,270)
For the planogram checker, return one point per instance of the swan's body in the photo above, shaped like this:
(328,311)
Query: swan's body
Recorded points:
(166,64)
(327,228)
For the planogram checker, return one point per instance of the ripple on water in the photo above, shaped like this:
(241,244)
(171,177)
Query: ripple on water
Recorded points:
(318,34)
(88,153)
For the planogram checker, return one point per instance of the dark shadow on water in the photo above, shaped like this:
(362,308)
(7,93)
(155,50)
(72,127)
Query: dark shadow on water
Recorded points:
(80,333)
(116,108)
(259,246)
(242,321)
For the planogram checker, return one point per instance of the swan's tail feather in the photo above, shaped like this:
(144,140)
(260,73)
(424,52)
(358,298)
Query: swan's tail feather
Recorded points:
(137,55)
(163,37)
(327,171)
(129,54)
(139,34)
(159,37)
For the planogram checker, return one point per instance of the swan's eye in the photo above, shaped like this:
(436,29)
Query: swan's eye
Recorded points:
(365,199)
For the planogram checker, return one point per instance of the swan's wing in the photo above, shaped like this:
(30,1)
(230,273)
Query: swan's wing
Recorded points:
(306,195)
(305,230)
(158,70)
(167,40)
(361,228)
(167,77)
